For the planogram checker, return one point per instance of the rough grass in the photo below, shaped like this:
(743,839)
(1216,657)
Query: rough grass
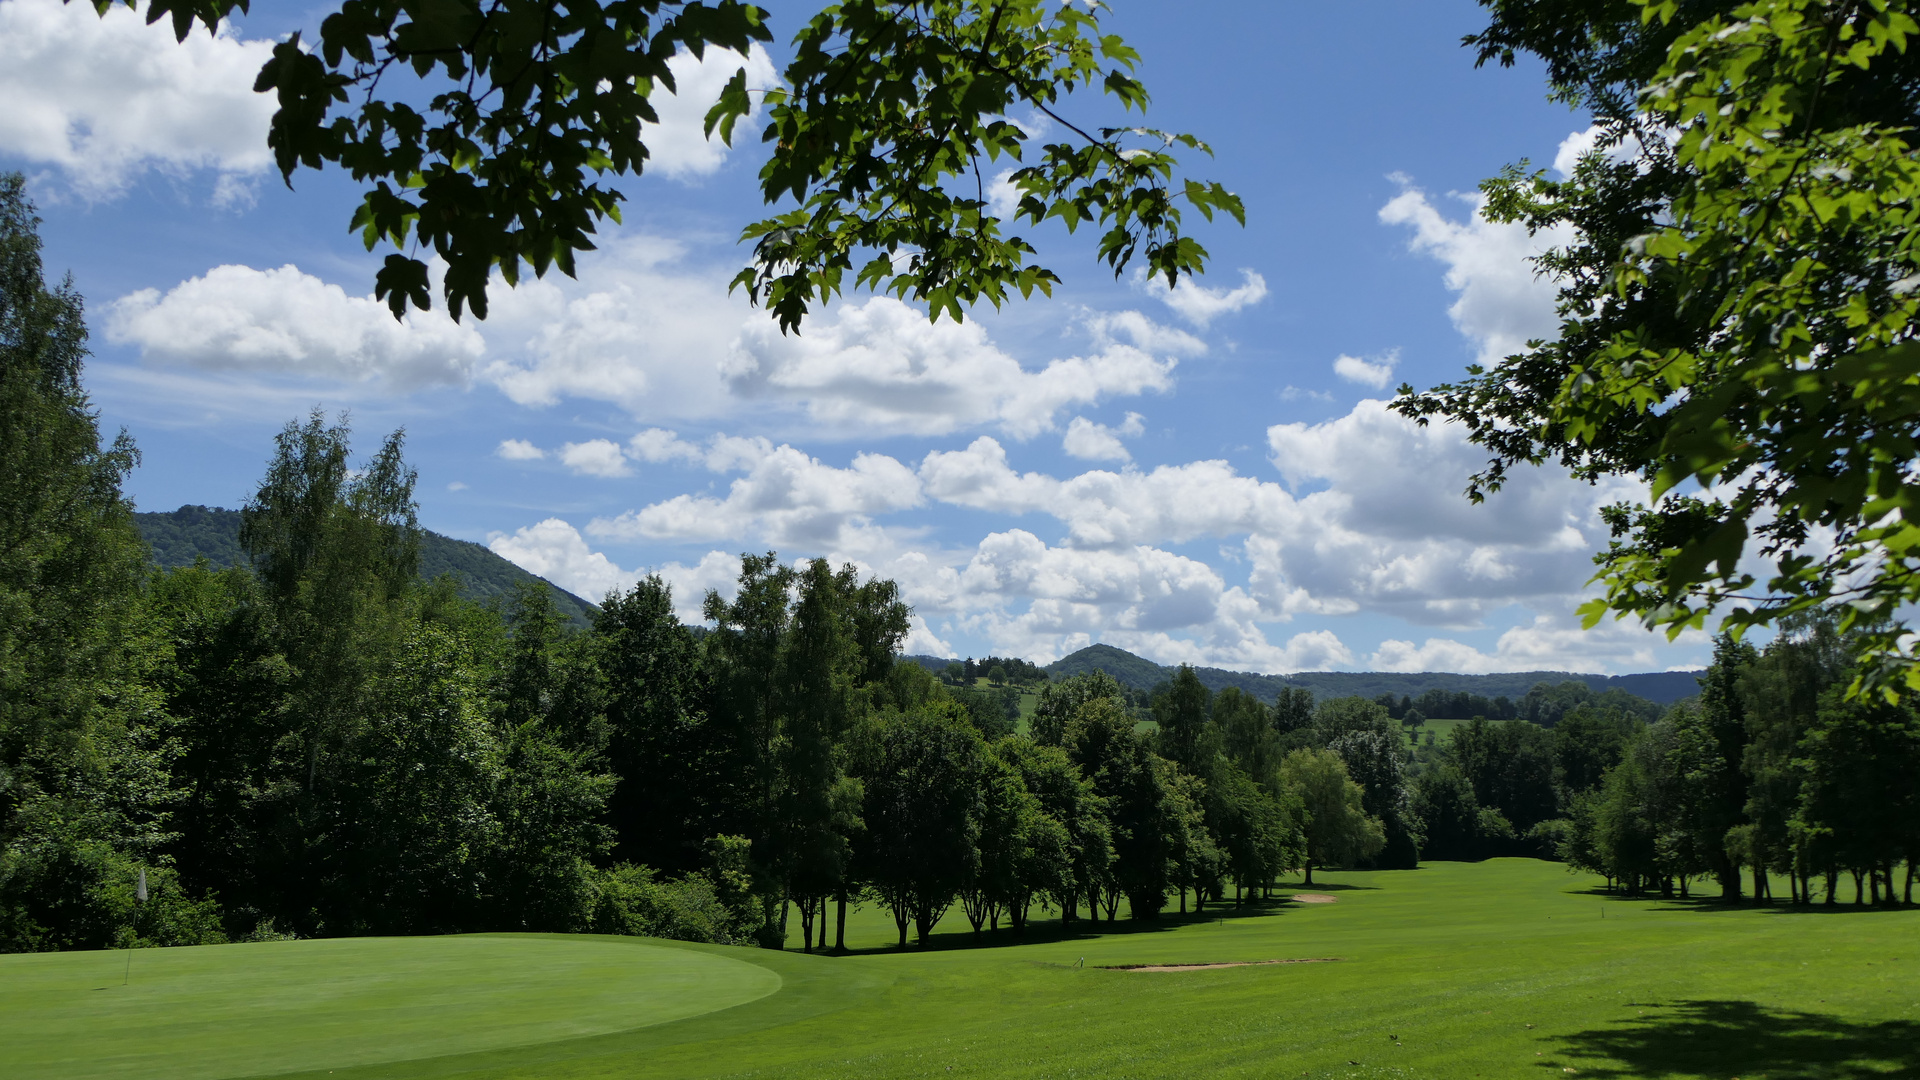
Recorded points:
(1508,968)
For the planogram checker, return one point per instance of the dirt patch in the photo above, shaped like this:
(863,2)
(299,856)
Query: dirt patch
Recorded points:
(1227,964)
(1314,898)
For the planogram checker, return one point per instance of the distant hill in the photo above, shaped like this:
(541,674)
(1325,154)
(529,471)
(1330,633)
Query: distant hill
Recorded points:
(186,534)
(1664,687)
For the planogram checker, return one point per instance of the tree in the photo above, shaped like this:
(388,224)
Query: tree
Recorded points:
(1337,828)
(1059,701)
(674,783)
(921,774)
(876,132)
(86,791)
(1510,766)
(1182,713)
(1061,875)
(1124,772)
(1737,309)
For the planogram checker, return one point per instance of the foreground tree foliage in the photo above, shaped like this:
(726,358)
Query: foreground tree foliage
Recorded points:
(1738,309)
(483,131)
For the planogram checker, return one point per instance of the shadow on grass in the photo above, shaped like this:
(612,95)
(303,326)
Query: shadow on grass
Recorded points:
(1738,1038)
(1047,931)
(1774,906)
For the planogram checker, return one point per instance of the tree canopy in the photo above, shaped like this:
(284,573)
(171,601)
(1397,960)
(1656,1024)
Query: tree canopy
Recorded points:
(878,134)
(1738,309)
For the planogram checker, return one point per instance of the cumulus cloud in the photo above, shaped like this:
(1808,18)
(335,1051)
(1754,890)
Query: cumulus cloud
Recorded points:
(884,366)
(1502,302)
(1552,641)
(595,457)
(103,97)
(678,145)
(1098,442)
(658,444)
(786,498)
(554,550)
(288,322)
(1374,373)
(1200,305)
(519,450)
(639,329)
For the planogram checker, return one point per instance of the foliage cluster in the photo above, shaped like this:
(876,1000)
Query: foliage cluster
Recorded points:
(1774,770)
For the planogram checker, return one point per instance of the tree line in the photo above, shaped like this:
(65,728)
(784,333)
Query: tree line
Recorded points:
(1773,771)
(316,742)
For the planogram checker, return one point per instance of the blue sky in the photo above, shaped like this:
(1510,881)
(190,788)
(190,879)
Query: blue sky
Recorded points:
(1207,476)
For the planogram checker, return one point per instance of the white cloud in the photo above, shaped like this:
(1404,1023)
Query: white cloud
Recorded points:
(519,450)
(980,477)
(1551,642)
(1098,442)
(786,498)
(286,322)
(1200,305)
(554,550)
(883,366)
(456,485)
(595,457)
(1374,373)
(1502,302)
(678,145)
(638,329)
(656,445)
(103,97)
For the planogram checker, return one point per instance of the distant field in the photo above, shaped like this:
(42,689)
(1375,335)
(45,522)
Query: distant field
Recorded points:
(1509,968)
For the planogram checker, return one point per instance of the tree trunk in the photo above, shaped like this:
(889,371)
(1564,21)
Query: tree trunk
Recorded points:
(806,925)
(1909,898)
(900,919)
(1859,894)
(1309,879)
(1183,899)
(840,931)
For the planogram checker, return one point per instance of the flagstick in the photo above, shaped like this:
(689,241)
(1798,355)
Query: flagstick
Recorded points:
(139,897)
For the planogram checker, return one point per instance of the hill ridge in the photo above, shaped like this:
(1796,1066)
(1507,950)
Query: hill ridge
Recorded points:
(1662,687)
(178,537)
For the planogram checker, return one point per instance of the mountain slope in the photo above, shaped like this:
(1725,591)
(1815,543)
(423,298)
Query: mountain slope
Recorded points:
(1664,687)
(192,532)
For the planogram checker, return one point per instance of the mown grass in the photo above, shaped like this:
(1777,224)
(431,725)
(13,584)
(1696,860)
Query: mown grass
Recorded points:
(1508,968)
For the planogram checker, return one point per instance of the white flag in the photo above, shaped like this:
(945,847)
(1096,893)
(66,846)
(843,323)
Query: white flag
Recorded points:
(140,890)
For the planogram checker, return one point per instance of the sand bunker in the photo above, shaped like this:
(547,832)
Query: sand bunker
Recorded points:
(1228,964)
(1314,898)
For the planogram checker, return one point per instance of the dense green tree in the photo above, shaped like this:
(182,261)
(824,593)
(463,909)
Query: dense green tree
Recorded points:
(1449,813)
(86,790)
(1735,307)
(921,775)
(1587,742)
(1247,736)
(1118,760)
(1511,767)
(1335,823)
(1182,711)
(674,782)
(1060,700)
(1066,798)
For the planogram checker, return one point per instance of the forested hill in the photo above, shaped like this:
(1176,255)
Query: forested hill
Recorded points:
(1663,687)
(180,537)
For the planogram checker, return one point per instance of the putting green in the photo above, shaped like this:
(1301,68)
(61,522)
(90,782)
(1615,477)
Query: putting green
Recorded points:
(248,1010)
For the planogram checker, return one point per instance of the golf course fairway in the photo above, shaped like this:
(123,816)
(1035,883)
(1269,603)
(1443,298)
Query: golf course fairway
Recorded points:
(1508,968)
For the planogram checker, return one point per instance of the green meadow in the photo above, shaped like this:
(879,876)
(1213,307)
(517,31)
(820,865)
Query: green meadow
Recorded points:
(1509,968)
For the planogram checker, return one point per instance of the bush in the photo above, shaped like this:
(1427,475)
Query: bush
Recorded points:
(58,894)
(632,901)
